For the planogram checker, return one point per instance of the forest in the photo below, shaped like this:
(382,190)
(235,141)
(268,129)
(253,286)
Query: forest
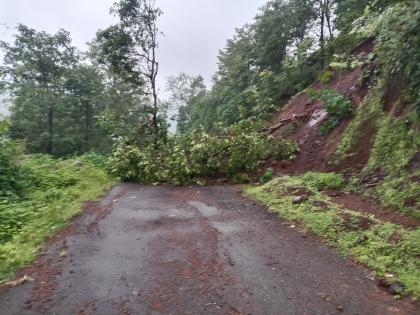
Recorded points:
(82,121)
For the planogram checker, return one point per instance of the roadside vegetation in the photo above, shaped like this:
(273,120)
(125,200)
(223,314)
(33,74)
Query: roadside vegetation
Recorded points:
(38,195)
(390,250)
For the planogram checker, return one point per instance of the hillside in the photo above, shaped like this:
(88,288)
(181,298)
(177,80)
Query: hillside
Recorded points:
(355,180)
(377,145)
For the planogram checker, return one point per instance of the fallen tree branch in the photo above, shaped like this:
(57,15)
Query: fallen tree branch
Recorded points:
(274,127)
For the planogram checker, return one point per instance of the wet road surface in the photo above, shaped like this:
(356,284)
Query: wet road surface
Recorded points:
(191,250)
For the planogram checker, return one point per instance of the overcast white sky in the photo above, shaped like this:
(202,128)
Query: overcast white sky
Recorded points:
(194,30)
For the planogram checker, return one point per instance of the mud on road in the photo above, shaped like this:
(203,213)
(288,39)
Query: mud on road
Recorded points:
(191,250)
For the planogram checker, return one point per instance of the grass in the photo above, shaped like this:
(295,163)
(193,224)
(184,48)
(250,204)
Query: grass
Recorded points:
(319,181)
(396,142)
(388,249)
(55,192)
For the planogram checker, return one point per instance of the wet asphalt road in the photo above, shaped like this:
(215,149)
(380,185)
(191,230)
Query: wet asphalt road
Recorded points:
(192,250)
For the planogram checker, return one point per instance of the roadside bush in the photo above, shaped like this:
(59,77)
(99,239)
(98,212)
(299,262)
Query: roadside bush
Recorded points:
(285,149)
(241,178)
(321,181)
(268,175)
(10,171)
(51,192)
(126,163)
(337,105)
(182,159)
(96,159)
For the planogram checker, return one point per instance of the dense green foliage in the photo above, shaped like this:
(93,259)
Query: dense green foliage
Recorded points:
(57,98)
(321,181)
(396,145)
(10,172)
(38,194)
(198,155)
(398,44)
(65,102)
(279,54)
(337,106)
(386,248)
(51,192)
(35,68)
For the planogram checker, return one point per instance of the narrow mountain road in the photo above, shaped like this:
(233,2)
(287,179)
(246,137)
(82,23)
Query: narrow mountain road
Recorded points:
(191,250)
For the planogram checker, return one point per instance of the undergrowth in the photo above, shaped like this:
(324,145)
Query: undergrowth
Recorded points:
(346,62)
(326,76)
(367,113)
(395,181)
(51,192)
(338,107)
(396,144)
(388,249)
(397,45)
(319,181)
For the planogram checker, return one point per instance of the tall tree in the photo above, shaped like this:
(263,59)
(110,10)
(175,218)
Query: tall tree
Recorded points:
(255,72)
(129,48)
(35,67)
(84,100)
(323,12)
(347,11)
(280,26)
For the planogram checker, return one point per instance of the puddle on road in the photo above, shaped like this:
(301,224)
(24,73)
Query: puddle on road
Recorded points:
(204,209)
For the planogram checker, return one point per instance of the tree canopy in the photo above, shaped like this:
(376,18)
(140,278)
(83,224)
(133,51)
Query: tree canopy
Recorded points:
(67,102)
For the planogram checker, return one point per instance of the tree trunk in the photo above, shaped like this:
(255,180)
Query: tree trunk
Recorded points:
(154,72)
(328,18)
(50,130)
(155,112)
(322,38)
(87,127)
